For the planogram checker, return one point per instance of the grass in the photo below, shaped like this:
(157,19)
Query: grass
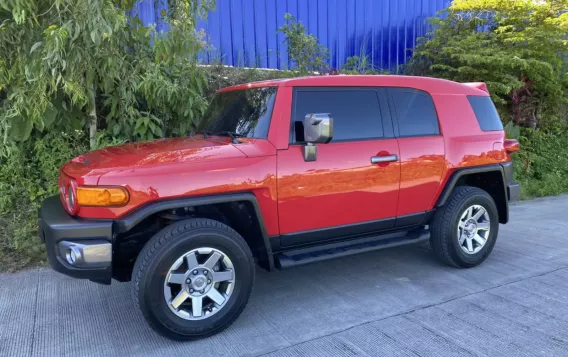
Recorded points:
(29,255)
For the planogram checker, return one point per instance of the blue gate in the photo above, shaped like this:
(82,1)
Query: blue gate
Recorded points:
(245,32)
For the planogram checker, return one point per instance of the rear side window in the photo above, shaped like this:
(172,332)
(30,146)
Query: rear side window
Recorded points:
(356,113)
(485,112)
(415,112)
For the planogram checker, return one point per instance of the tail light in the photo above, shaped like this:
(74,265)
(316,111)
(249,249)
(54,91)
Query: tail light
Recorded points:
(511,145)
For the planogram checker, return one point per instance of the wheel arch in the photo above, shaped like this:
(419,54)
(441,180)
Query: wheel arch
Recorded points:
(490,178)
(231,209)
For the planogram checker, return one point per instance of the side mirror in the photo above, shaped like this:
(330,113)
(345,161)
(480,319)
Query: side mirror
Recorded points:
(318,128)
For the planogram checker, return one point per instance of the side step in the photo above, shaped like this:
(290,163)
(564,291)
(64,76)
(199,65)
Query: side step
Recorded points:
(303,256)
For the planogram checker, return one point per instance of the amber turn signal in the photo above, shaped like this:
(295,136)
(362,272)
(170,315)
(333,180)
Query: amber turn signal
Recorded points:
(102,196)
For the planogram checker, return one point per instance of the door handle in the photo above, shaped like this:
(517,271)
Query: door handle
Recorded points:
(381,159)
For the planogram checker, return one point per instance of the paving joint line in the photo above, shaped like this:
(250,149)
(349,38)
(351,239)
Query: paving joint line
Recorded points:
(418,309)
(35,315)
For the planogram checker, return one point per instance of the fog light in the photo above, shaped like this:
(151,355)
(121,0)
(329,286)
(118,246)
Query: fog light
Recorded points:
(73,255)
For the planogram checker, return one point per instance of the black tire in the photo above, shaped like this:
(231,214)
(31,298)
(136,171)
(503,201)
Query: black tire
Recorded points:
(158,255)
(444,226)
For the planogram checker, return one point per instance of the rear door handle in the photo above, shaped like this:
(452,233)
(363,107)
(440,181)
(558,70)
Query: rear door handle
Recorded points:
(380,159)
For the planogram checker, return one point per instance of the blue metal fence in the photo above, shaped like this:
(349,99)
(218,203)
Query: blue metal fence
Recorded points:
(245,32)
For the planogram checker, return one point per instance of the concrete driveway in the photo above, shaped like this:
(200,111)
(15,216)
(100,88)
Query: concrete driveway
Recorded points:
(398,302)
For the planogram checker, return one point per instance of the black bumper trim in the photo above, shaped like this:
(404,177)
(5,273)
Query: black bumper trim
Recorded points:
(56,225)
(514,191)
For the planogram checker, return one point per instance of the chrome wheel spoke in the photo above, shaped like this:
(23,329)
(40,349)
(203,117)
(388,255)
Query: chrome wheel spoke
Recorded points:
(479,213)
(191,260)
(176,278)
(479,239)
(469,213)
(462,238)
(483,226)
(179,299)
(469,244)
(461,224)
(220,276)
(216,296)
(197,306)
(212,260)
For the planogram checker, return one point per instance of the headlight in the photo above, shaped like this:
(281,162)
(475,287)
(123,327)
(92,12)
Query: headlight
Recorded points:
(101,196)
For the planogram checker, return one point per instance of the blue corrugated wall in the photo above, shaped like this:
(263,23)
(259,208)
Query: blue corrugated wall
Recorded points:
(245,32)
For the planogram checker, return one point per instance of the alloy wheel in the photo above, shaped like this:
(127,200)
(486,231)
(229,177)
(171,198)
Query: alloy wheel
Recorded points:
(473,229)
(199,283)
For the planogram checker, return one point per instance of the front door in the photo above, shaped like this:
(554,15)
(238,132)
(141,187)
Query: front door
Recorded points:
(353,185)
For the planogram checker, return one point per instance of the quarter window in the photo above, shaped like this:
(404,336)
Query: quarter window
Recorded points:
(415,112)
(356,113)
(486,114)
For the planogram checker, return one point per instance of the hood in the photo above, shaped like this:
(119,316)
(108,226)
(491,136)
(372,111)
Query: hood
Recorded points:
(157,152)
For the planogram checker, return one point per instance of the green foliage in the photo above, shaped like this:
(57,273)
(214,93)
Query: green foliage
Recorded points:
(517,47)
(358,65)
(221,76)
(541,166)
(512,131)
(303,48)
(78,63)
(27,176)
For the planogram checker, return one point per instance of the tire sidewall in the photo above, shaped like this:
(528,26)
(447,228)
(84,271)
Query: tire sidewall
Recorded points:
(474,259)
(151,292)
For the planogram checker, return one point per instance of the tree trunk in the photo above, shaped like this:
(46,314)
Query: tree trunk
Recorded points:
(92,118)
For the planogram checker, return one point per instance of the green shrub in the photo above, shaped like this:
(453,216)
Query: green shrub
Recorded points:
(541,166)
(517,47)
(27,176)
(359,65)
(303,48)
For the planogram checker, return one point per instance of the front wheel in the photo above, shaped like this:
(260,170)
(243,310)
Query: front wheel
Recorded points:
(193,278)
(464,230)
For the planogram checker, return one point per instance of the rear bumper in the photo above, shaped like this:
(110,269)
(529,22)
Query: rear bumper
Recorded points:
(513,191)
(76,247)
(513,188)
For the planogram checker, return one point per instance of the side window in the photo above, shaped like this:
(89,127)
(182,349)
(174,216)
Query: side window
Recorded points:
(356,113)
(415,112)
(485,112)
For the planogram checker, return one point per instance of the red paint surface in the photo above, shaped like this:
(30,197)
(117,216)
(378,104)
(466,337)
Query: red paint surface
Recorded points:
(340,187)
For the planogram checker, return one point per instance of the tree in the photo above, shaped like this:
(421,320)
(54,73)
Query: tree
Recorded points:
(93,64)
(518,47)
(303,48)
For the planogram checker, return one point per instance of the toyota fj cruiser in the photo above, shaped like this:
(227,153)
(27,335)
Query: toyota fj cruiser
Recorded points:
(283,173)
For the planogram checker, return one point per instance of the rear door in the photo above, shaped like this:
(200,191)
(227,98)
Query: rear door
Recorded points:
(343,192)
(422,152)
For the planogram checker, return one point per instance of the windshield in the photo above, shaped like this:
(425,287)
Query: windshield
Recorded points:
(243,113)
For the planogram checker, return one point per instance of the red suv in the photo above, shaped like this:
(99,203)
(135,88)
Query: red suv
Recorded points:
(283,173)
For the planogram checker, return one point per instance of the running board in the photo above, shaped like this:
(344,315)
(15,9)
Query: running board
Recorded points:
(303,256)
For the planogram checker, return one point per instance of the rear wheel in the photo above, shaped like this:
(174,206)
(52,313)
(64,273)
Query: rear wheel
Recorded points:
(464,230)
(193,278)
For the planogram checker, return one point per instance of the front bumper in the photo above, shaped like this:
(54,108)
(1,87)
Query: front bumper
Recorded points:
(76,247)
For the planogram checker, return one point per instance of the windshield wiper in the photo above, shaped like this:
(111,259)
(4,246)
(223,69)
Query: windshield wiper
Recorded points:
(232,134)
(206,133)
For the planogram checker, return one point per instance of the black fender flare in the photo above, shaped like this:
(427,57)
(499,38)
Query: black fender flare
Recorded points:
(504,169)
(130,220)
